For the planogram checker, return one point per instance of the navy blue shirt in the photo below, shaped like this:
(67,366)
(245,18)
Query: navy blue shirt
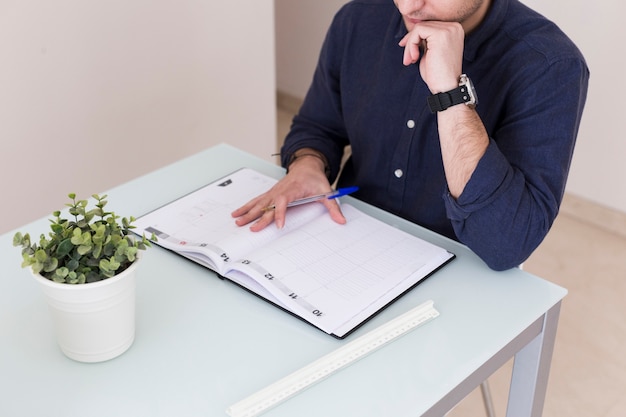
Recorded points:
(531,83)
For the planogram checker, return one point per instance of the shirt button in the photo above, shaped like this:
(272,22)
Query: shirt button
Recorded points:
(410,124)
(398,173)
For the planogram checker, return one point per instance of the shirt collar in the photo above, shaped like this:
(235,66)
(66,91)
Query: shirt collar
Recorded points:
(485,31)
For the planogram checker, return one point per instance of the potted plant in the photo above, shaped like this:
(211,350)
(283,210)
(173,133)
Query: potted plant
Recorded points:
(86,268)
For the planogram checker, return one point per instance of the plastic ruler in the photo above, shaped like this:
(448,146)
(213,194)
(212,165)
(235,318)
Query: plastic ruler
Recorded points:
(292,384)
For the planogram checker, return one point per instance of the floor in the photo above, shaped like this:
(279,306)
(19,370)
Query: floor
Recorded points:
(588,374)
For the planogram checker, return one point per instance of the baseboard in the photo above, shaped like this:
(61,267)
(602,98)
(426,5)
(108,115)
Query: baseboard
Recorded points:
(602,217)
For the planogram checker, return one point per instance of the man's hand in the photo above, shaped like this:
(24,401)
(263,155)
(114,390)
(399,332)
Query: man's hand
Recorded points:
(306,177)
(441,47)
(462,135)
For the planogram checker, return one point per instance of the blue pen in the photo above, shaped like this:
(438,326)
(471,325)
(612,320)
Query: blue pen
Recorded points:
(330,195)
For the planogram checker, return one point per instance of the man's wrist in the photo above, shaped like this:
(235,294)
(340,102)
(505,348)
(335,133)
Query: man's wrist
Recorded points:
(463,93)
(448,85)
(309,153)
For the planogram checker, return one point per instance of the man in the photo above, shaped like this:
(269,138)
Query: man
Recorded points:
(490,174)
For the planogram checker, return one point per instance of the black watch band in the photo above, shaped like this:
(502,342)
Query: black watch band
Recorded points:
(462,94)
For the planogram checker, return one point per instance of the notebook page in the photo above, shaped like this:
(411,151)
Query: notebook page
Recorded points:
(337,275)
(200,222)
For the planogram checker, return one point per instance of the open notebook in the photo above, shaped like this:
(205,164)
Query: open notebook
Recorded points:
(332,276)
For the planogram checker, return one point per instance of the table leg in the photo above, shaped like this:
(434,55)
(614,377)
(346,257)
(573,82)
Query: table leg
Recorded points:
(531,367)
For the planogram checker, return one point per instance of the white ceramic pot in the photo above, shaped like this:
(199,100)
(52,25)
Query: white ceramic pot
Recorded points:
(94,322)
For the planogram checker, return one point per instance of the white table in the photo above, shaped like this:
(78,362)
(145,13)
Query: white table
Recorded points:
(203,344)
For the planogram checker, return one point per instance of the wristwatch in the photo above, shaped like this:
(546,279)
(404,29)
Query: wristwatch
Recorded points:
(464,93)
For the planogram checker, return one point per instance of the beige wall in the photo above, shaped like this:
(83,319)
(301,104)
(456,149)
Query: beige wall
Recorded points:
(300,29)
(94,93)
(598,170)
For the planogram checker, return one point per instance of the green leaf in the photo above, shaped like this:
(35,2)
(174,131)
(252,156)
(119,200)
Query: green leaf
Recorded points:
(109,265)
(37,267)
(27,260)
(18,239)
(56,228)
(82,224)
(84,249)
(90,215)
(131,253)
(73,264)
(50,264)
(114,264)
(62,272)
(73,278)
(78,237)
(41,255)
(90,246)
(65,247)
(58,279)
(97,250)
(99,233)
(91,277)
(104,265)
(121,247)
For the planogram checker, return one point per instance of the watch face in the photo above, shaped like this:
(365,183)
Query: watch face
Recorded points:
(473,99)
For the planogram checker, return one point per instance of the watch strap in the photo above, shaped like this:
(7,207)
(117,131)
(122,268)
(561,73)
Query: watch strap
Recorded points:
(441,101)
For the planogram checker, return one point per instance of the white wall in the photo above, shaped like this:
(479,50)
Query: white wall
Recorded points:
(94,93)
(598,170)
